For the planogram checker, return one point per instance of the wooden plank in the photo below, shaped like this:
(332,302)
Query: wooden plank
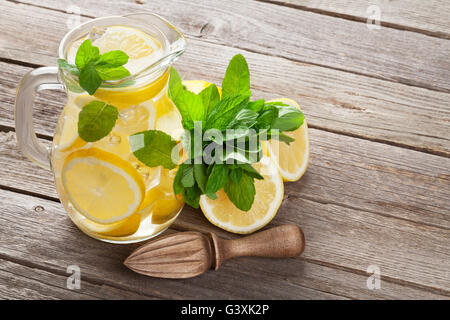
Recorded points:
(19,281)
(246,278)
(428,17)
(65,245)
(332,100)
(358,208)
(296,35)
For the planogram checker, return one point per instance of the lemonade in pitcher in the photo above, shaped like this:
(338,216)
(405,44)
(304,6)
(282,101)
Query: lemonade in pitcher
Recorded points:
(106,190)
(135,142)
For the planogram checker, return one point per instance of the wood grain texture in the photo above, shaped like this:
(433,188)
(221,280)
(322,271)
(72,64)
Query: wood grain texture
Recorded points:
(360,203)
(332,100)
(102,263)
(245,278)
(259,27)
(356,208)
(189,254)
(28,281)
(429,17)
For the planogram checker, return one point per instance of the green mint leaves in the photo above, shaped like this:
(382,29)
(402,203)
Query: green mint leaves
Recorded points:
(223,132)
(96,120)
(93,68)
(233,127)
(237,78)
(153,148)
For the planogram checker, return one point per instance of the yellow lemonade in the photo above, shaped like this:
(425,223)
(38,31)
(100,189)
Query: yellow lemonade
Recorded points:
(108,193)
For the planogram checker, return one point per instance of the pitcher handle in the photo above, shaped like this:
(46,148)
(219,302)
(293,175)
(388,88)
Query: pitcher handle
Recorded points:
(34,81)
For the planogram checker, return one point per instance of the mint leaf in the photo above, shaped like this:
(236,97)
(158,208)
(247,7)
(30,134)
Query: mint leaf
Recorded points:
(175,84)
(177,185)
(244,119)
(89,79)
(236,174)
(242,194)
(225,111)
(94,68)
(210,97)
(237,78)
(96,120)
(71,68)
(200,176)
(217,179)
(107,73)
(86,54)
(188,103)
(153,148)
(191,196)
(267,117)
(250,171)
(187,178)
(191,108)
(112,59)
(289,119)
(256,105)
(212,196)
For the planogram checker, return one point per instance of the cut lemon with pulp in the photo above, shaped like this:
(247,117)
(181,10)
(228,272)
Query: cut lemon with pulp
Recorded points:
(291,160)
(102,186)
(269,195)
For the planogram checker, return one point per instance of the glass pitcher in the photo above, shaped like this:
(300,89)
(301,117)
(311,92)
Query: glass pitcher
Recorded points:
(106,191)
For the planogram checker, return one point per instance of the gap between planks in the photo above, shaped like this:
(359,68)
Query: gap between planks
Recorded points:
(249,270)
(402,80)
(347,16)
(399,137)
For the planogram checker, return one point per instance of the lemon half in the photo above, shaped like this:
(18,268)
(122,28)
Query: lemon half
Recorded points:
(269,195)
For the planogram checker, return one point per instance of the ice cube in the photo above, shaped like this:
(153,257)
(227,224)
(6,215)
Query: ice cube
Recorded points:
(96,33)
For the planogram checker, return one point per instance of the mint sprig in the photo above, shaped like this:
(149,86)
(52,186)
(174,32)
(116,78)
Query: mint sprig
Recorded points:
(231,169)
(93,68)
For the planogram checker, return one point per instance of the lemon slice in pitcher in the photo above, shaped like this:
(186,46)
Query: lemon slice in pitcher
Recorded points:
(269,195)
(292,160)
(143,50)
(102,186)
(69,139)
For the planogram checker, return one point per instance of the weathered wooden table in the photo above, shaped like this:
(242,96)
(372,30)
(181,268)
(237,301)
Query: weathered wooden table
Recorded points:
(377,191)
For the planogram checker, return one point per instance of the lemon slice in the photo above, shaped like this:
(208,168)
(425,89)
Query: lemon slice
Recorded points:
(269,195)
(69,139)
(292,160)
(196,86)
(120,228)
(141,48)
(161,201)
(102,186)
